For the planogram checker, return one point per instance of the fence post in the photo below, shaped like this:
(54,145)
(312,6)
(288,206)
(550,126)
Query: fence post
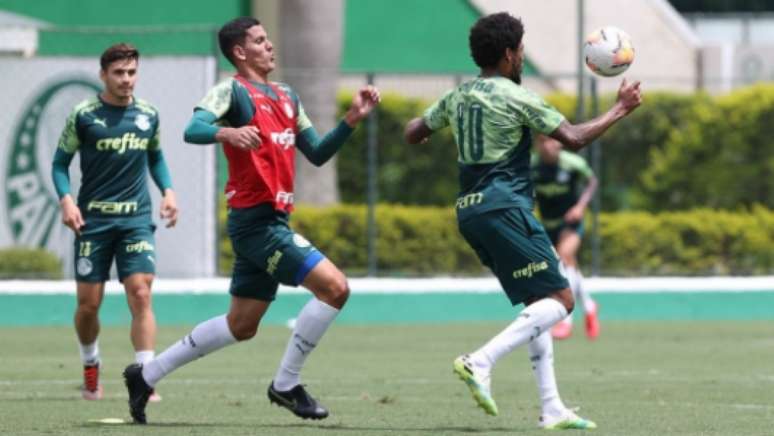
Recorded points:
(596,201)
(373,188)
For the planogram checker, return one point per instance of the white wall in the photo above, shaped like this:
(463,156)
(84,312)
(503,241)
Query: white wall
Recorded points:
(174,85)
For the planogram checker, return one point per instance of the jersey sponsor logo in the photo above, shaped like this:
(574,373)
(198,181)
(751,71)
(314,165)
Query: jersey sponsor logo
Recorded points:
(31,205)
(119,144)
(142,122)
(531,269)
(469,200)
(284,139)
(285,197)
(113,207)
(139,247)
(84,266)
(301,241)
(551,189)
(273,262)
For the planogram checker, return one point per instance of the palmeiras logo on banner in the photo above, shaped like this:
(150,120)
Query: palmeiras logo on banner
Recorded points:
(32,207)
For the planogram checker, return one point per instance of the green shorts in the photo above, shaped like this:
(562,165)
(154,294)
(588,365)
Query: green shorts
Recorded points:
(553,233)
(131,243)
(514,245)
(267,252)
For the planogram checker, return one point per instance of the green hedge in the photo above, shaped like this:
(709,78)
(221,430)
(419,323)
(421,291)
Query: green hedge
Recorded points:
(425,241)
(29,263)
(675,152)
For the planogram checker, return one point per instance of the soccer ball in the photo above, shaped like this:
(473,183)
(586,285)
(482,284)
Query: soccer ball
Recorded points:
(608,51)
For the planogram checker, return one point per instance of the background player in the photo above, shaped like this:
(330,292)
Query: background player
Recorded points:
(260,124)
(492,117)
(558,176)
(117,136)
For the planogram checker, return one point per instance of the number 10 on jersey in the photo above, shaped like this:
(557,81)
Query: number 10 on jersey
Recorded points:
(470,134)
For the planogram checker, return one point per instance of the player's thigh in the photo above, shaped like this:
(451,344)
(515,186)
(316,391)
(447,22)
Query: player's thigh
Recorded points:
(94,252)
(136,251)
(568,245)
(518,251)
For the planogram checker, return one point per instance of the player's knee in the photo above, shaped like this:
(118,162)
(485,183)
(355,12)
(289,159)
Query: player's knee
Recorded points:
(242,328)
(139,297)
(334,292)
(88,307)
(338,292)
(566,299)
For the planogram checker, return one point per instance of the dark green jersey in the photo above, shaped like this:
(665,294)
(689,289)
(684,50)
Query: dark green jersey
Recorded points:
(491,120)
(230,101)
(559,185)
(113,143)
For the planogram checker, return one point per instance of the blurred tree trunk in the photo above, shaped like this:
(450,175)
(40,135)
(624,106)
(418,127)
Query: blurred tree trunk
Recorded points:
(310,53)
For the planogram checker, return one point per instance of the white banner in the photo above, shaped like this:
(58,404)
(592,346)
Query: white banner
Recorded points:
(39,94)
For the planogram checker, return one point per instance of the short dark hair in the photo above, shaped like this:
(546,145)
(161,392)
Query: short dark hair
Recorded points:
(491,35)
(234,33)
(118,52)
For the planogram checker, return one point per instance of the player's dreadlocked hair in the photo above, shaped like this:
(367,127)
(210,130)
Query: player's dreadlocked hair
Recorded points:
(234,33)
(118,52)
(491,35)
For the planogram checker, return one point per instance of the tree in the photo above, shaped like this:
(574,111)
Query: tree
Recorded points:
(310,57)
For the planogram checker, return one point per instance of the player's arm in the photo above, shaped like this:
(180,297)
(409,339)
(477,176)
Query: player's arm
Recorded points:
(578,136)
(204,127)
(159,171)
(579,165)
(60,173)
(319,150)
(419,129)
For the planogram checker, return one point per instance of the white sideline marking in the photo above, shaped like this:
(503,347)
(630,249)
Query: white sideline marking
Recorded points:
(418,286)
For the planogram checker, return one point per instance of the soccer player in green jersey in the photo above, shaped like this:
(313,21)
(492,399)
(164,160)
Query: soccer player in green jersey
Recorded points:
(117,137)
(491,118)
(558,176)
(261,125)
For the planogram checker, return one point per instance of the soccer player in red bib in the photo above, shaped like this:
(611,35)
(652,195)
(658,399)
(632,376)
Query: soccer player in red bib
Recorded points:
(261,124)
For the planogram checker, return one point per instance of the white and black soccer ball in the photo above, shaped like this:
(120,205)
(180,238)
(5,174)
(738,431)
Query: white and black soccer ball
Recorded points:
(608,51)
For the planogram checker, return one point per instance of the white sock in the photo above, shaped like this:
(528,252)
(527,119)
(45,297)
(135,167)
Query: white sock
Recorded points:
(531,323)
(311,324)
(541,354)
(209,336)
(576,283)
(89,353)
(144,356)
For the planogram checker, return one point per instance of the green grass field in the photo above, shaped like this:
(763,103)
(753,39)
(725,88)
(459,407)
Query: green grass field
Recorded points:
(640,378)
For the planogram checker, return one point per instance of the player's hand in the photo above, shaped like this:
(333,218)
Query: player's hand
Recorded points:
(629,96)
(245,137)
(575,214)
(71,215)
(363,103)
(169,208)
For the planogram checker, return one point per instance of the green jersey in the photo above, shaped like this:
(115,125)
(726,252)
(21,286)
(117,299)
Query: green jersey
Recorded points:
(113,142)
(491,120)
(558,185)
